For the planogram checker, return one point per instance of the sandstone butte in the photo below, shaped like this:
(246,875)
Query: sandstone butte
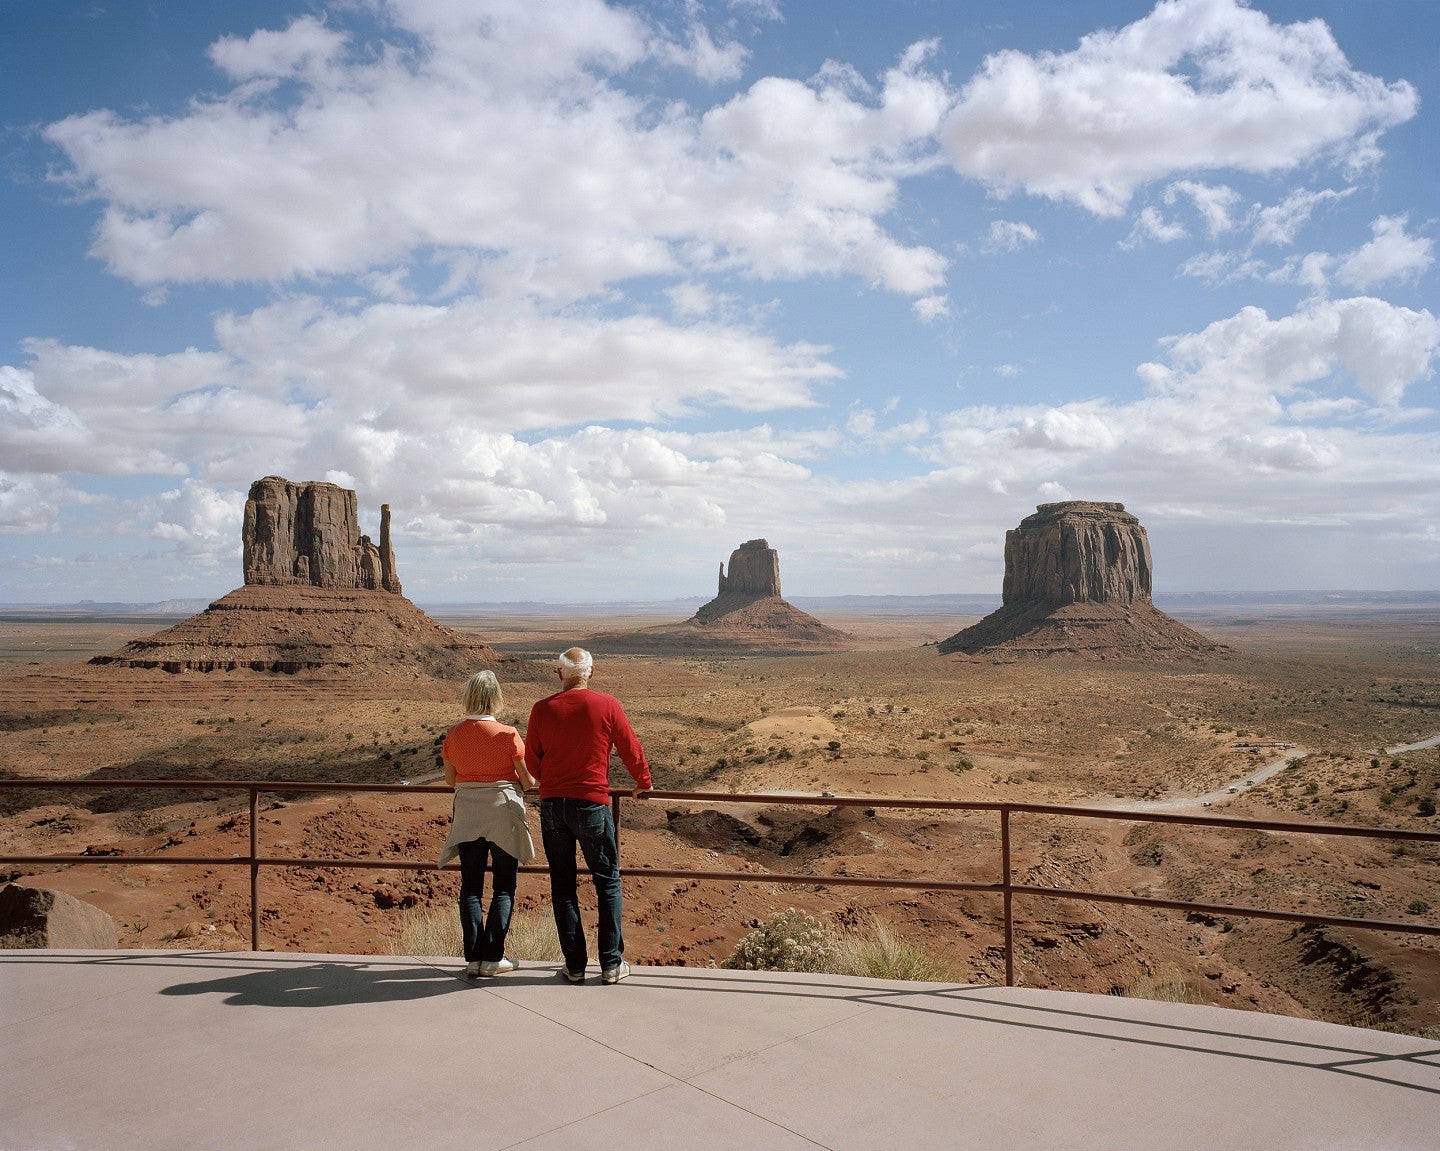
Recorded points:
(317,595)
(747,613)
(1077,582)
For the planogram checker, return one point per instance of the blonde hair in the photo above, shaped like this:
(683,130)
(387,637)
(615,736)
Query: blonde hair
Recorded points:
(483,695)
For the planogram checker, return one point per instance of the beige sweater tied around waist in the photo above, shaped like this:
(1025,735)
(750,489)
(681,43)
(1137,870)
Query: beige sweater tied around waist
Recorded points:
(493,811)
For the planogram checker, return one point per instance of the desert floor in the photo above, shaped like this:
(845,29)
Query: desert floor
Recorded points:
(891,718)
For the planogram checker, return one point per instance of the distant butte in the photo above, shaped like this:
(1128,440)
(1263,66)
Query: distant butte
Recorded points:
(1077,582)
(747,613)
(317,595)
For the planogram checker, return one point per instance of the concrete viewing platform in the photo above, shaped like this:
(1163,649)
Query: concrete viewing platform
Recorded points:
(121,1050)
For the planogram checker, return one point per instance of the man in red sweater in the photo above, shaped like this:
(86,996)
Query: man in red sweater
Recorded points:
(567,749)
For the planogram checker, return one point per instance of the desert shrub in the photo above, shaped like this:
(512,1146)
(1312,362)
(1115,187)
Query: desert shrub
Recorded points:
(875,950)
(1418,907)
(789,940)
(1169,986)
(436,931)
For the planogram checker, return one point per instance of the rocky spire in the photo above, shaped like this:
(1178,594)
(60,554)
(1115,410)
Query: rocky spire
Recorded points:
(389,581)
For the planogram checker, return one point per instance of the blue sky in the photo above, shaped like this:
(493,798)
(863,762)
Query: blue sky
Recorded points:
(590,294)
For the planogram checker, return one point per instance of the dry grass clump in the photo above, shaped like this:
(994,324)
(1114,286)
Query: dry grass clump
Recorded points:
(792,940)
(875,950)
(436,931)
(1167,986)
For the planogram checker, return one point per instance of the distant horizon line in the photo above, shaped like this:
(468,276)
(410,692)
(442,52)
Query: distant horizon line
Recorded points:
(1234,597)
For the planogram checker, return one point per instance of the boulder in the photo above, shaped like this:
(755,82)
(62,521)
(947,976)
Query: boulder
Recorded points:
(42,917)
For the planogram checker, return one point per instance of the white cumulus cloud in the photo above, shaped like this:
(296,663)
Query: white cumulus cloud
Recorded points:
(549,178)
(1196,85)
(1393,254)
(1382,347)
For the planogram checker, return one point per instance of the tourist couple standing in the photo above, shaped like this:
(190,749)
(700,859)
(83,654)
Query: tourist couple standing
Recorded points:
(566,754)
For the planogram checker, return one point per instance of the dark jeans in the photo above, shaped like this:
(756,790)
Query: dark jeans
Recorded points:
(485,940)
(564,824)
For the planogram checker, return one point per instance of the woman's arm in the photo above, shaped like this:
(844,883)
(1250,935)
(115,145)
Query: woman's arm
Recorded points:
(449,772)
(527,781)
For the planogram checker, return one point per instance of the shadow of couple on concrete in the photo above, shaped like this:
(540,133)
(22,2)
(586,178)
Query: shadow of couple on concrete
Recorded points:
(325,984)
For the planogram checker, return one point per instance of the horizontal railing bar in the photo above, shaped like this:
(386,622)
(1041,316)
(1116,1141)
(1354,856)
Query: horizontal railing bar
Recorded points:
(770,798)
(262,785)
(534,869)
(1230,821)
(1222,909)
(812,880)
(246,861)
(798,879)
(1048,809)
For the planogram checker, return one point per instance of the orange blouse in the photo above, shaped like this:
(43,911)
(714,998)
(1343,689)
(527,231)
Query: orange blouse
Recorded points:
(481,749)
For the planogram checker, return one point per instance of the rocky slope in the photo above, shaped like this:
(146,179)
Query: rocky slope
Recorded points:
(290,629)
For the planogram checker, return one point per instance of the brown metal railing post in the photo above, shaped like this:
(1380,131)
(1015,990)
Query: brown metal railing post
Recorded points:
(254,869)
(1009,897)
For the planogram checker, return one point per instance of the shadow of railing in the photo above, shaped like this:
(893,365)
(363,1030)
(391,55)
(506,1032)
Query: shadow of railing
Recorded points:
(1002,886)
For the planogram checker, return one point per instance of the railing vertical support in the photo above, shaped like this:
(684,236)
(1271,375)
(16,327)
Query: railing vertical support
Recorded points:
(1009,897)
(254,869)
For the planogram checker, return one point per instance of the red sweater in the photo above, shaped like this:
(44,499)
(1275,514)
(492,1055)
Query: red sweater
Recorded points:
(568,742)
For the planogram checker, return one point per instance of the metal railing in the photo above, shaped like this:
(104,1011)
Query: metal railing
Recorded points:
(1004,886)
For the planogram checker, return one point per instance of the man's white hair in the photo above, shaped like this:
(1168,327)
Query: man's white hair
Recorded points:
(575,663)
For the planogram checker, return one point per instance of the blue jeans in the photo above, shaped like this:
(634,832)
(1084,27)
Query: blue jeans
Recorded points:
(485,940)
(564,824)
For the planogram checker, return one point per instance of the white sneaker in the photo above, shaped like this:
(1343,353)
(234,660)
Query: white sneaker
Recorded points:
(615,974)
(497,966)
(473,969)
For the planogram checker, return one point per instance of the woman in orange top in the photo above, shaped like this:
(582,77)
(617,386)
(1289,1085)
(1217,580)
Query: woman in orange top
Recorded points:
(485,764)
